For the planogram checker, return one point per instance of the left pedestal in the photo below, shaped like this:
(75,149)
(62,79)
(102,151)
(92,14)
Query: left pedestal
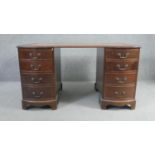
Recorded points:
(40,70)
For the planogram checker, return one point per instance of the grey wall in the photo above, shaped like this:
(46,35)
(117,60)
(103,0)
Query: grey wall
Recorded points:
(77,64)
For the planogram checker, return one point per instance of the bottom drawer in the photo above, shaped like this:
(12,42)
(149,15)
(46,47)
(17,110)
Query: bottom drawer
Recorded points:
(39,93)
(117,92)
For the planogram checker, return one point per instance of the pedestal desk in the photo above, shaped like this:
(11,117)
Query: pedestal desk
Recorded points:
(116,75)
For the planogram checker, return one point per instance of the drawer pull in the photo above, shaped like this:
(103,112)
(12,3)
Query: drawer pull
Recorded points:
(36,80)
(30,54)
(35,67)
(122,93)
(116,92)
(123,55)
(35,57)
(122,67)
(121,80)
(37,95)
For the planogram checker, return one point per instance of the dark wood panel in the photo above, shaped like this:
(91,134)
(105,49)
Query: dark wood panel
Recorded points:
(119,92)
(120,78)
(121,66)
(39,93)
(121,53)
(38,78)
(35,54)
(37,66)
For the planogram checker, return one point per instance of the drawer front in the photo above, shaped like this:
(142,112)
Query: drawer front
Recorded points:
(121,53)
(35,54)
(114,92)
(120,78)
(121,66)
(38,79)
(36,66)
(39,93)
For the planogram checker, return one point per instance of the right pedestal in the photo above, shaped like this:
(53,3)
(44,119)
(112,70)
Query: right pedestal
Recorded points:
(117,70)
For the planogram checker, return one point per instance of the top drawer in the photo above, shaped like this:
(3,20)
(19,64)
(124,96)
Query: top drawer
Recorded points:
(121,53)
(35,54)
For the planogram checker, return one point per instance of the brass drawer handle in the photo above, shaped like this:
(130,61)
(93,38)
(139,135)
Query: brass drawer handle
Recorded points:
(35,67)
(36,80)
(121,80)
(122,67)
(35,57)
(116,93)
(123,55)
(37,95)
(122,93)
(30,54)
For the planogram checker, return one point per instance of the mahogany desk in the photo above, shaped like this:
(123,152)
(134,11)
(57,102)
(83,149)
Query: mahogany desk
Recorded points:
(116,76)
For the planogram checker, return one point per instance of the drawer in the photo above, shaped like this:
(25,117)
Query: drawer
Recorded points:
(35,54)
(120,78)
(37,66)
(121,53)
(38,79)
(121,66)
(117,92)
(39,93)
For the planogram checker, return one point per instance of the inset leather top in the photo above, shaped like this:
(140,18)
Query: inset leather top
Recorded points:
(78,45)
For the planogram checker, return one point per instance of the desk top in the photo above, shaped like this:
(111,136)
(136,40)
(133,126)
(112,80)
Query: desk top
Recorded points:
(81,45)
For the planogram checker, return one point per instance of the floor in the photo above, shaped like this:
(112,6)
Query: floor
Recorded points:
(78,102)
